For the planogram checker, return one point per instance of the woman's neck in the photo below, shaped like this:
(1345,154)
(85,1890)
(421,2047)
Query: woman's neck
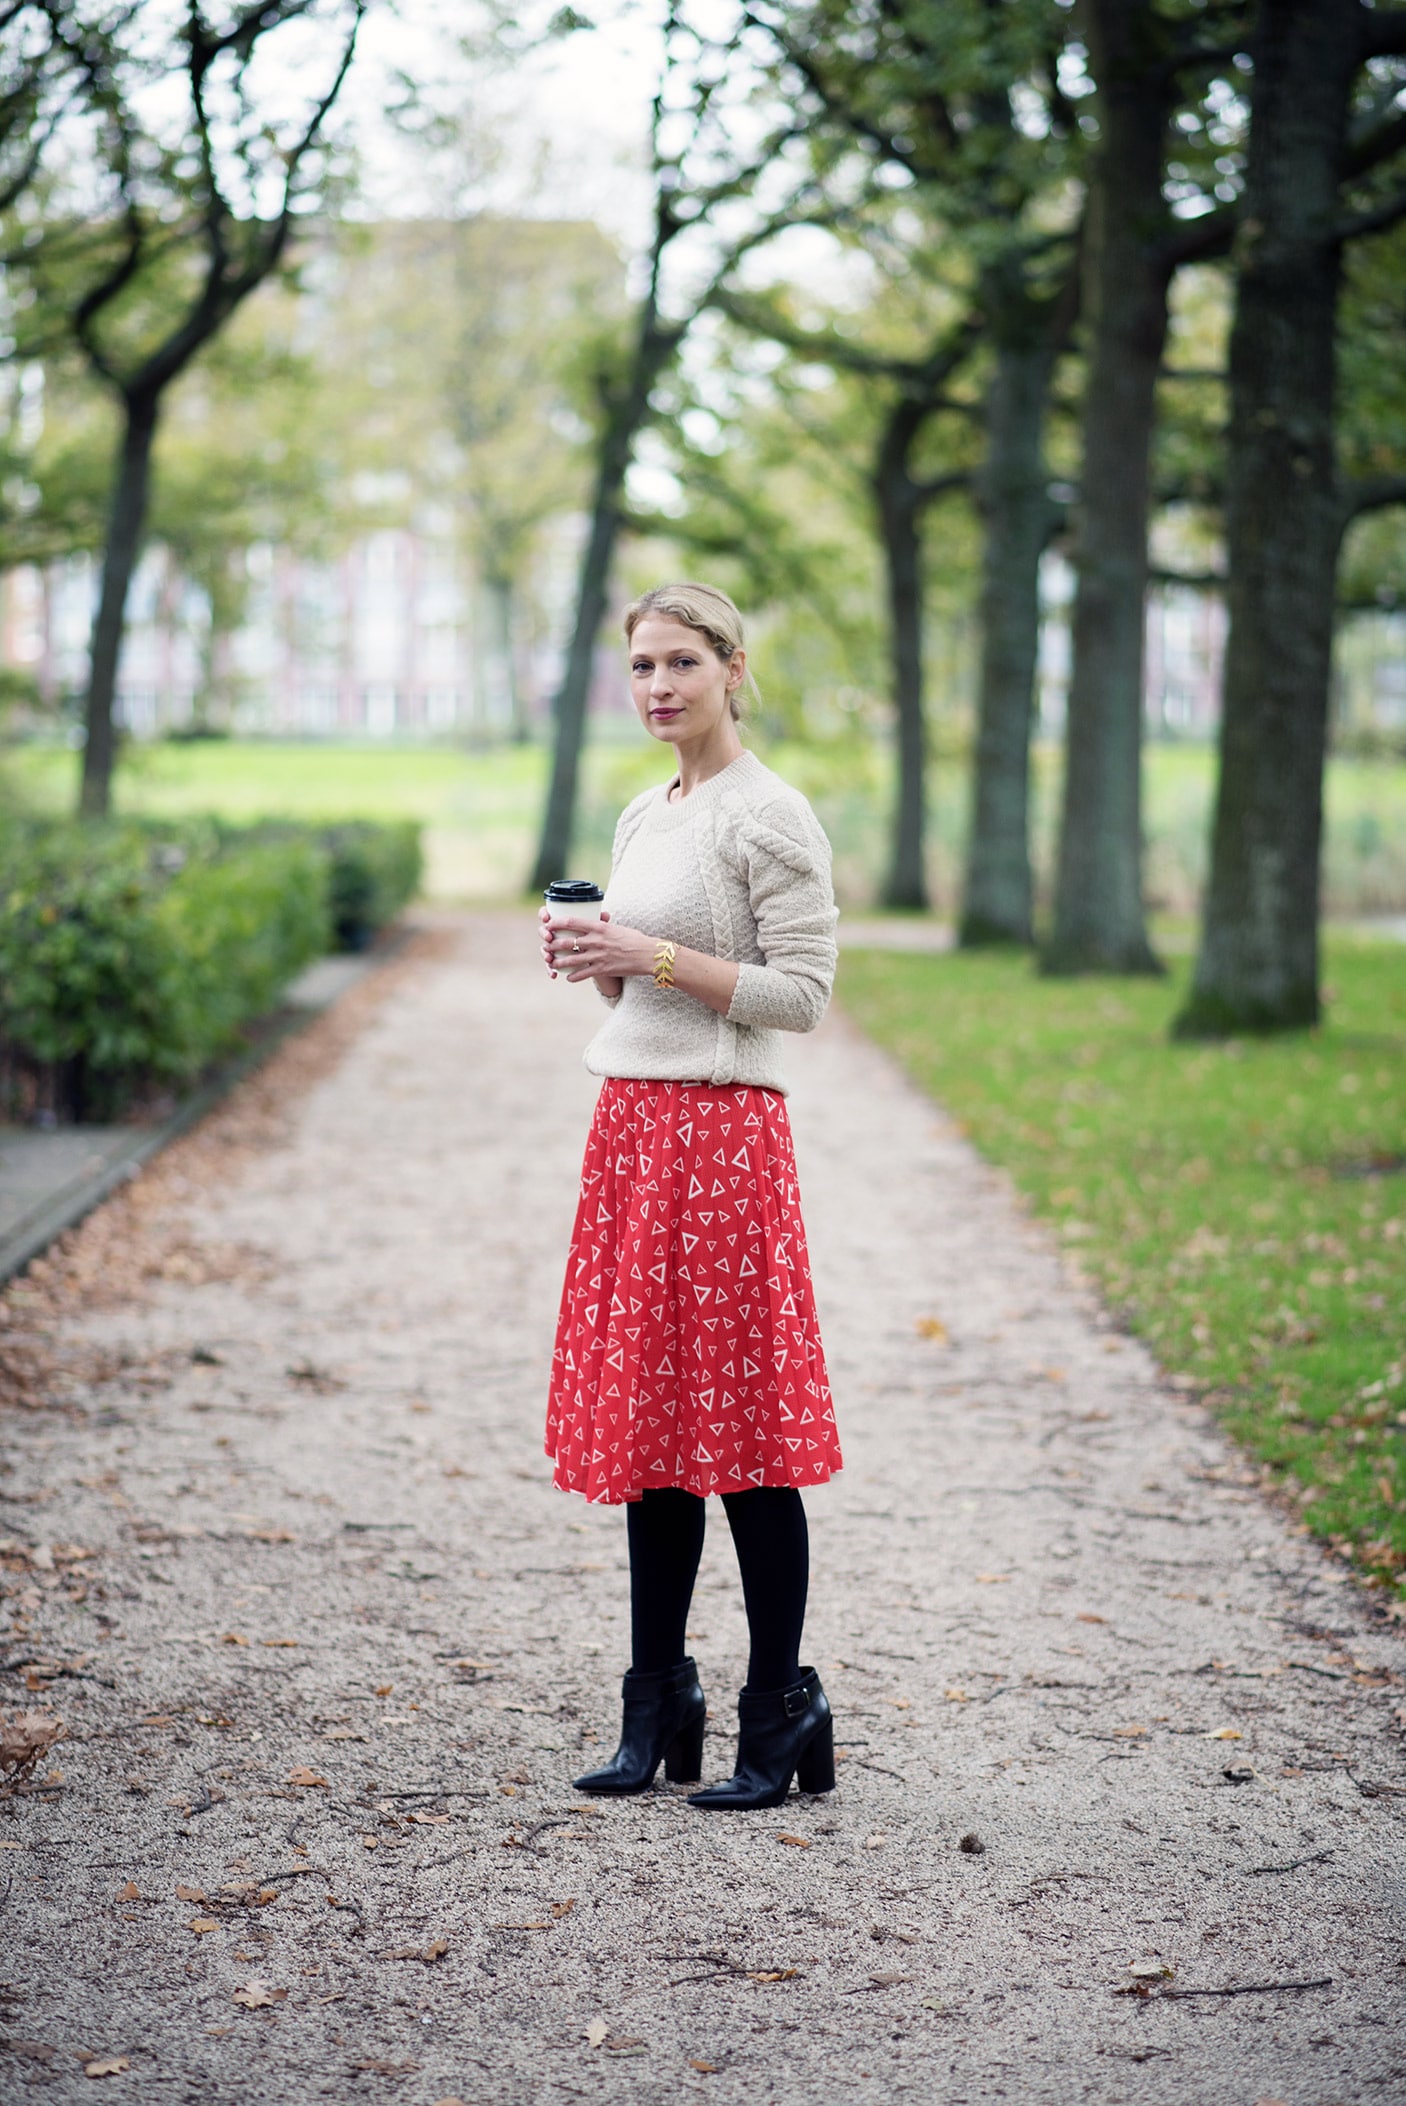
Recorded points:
(700,764)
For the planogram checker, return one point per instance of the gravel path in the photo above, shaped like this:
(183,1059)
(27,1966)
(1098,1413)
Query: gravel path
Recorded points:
(280,1549)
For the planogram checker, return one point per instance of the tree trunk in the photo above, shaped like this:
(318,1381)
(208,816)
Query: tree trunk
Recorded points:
(1098,910)
(126,522)
(500,592)
(625,414)
(1016,516)
(899,503)
(1258,964)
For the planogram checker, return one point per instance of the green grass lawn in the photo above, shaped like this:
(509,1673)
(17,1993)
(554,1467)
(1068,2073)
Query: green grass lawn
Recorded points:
(1242,1207)
(480,809)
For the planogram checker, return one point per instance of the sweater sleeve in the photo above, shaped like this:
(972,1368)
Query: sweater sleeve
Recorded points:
(785,863)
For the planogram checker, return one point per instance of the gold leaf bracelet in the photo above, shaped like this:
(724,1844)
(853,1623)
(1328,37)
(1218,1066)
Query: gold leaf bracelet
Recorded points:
(664,954)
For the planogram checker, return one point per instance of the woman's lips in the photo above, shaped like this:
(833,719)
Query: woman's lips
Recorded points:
(666,712)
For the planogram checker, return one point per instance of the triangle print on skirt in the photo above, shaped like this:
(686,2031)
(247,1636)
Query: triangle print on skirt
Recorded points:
(703,1383)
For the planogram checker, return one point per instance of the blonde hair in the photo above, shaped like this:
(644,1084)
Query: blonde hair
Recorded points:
(711,613)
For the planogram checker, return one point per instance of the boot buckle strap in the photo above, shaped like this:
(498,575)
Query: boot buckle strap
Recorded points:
(797,1700)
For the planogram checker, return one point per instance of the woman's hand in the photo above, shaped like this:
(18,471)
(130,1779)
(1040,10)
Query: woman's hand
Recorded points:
(594,950)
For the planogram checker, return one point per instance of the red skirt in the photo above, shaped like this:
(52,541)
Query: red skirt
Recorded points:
(687,1350)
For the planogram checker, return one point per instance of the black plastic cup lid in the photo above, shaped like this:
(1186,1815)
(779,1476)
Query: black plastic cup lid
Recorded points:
(572,890)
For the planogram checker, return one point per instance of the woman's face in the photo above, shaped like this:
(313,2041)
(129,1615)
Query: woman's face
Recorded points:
(680,686)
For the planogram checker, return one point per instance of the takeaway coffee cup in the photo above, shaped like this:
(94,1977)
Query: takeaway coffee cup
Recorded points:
(572,899)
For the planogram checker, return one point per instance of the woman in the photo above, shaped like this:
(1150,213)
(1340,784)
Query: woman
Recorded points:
(688,1357)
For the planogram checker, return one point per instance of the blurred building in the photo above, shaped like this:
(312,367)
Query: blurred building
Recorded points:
(371,511)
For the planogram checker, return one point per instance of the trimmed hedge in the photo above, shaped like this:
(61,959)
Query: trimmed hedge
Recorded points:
(374,870)
(132,956)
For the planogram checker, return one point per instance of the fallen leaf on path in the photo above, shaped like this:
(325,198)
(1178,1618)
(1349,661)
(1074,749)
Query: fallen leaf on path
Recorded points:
(797,1842)
(706,2069)
(563,1908)
(257,1996)
(1226,1733)
(106,2066)
(992,1579)
(428,1820)
(25,1737)
(313,1377)
(201,1924)
(1150,1969)
(957,1696)
(309,1779)
(1085,1617)
(192,1894)
(1129,1732)
(273,1644)
(384,1688)
(597,2032)
(934,1328)
(131,1892)
(776,1974)
(435,1950)
(233,1638)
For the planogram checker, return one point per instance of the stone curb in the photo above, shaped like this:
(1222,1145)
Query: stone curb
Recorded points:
(63,1208)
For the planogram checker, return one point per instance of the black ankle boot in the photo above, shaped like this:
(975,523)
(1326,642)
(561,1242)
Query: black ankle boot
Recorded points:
(782,1733)
(664,1715)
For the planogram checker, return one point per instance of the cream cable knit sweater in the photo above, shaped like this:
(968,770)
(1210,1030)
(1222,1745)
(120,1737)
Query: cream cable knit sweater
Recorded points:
(740,868)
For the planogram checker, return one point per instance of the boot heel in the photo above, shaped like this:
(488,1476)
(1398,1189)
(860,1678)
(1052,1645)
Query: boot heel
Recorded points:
(815,1770)
(683,1758)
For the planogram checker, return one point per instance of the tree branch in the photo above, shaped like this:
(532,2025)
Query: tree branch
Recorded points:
(1375,143)
(1377,221)
(939,485)
(1382,31)
(1370,493)
(1199,240)
(1192,580)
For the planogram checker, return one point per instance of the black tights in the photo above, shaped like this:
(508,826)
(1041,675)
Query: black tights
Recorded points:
(773,1554)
